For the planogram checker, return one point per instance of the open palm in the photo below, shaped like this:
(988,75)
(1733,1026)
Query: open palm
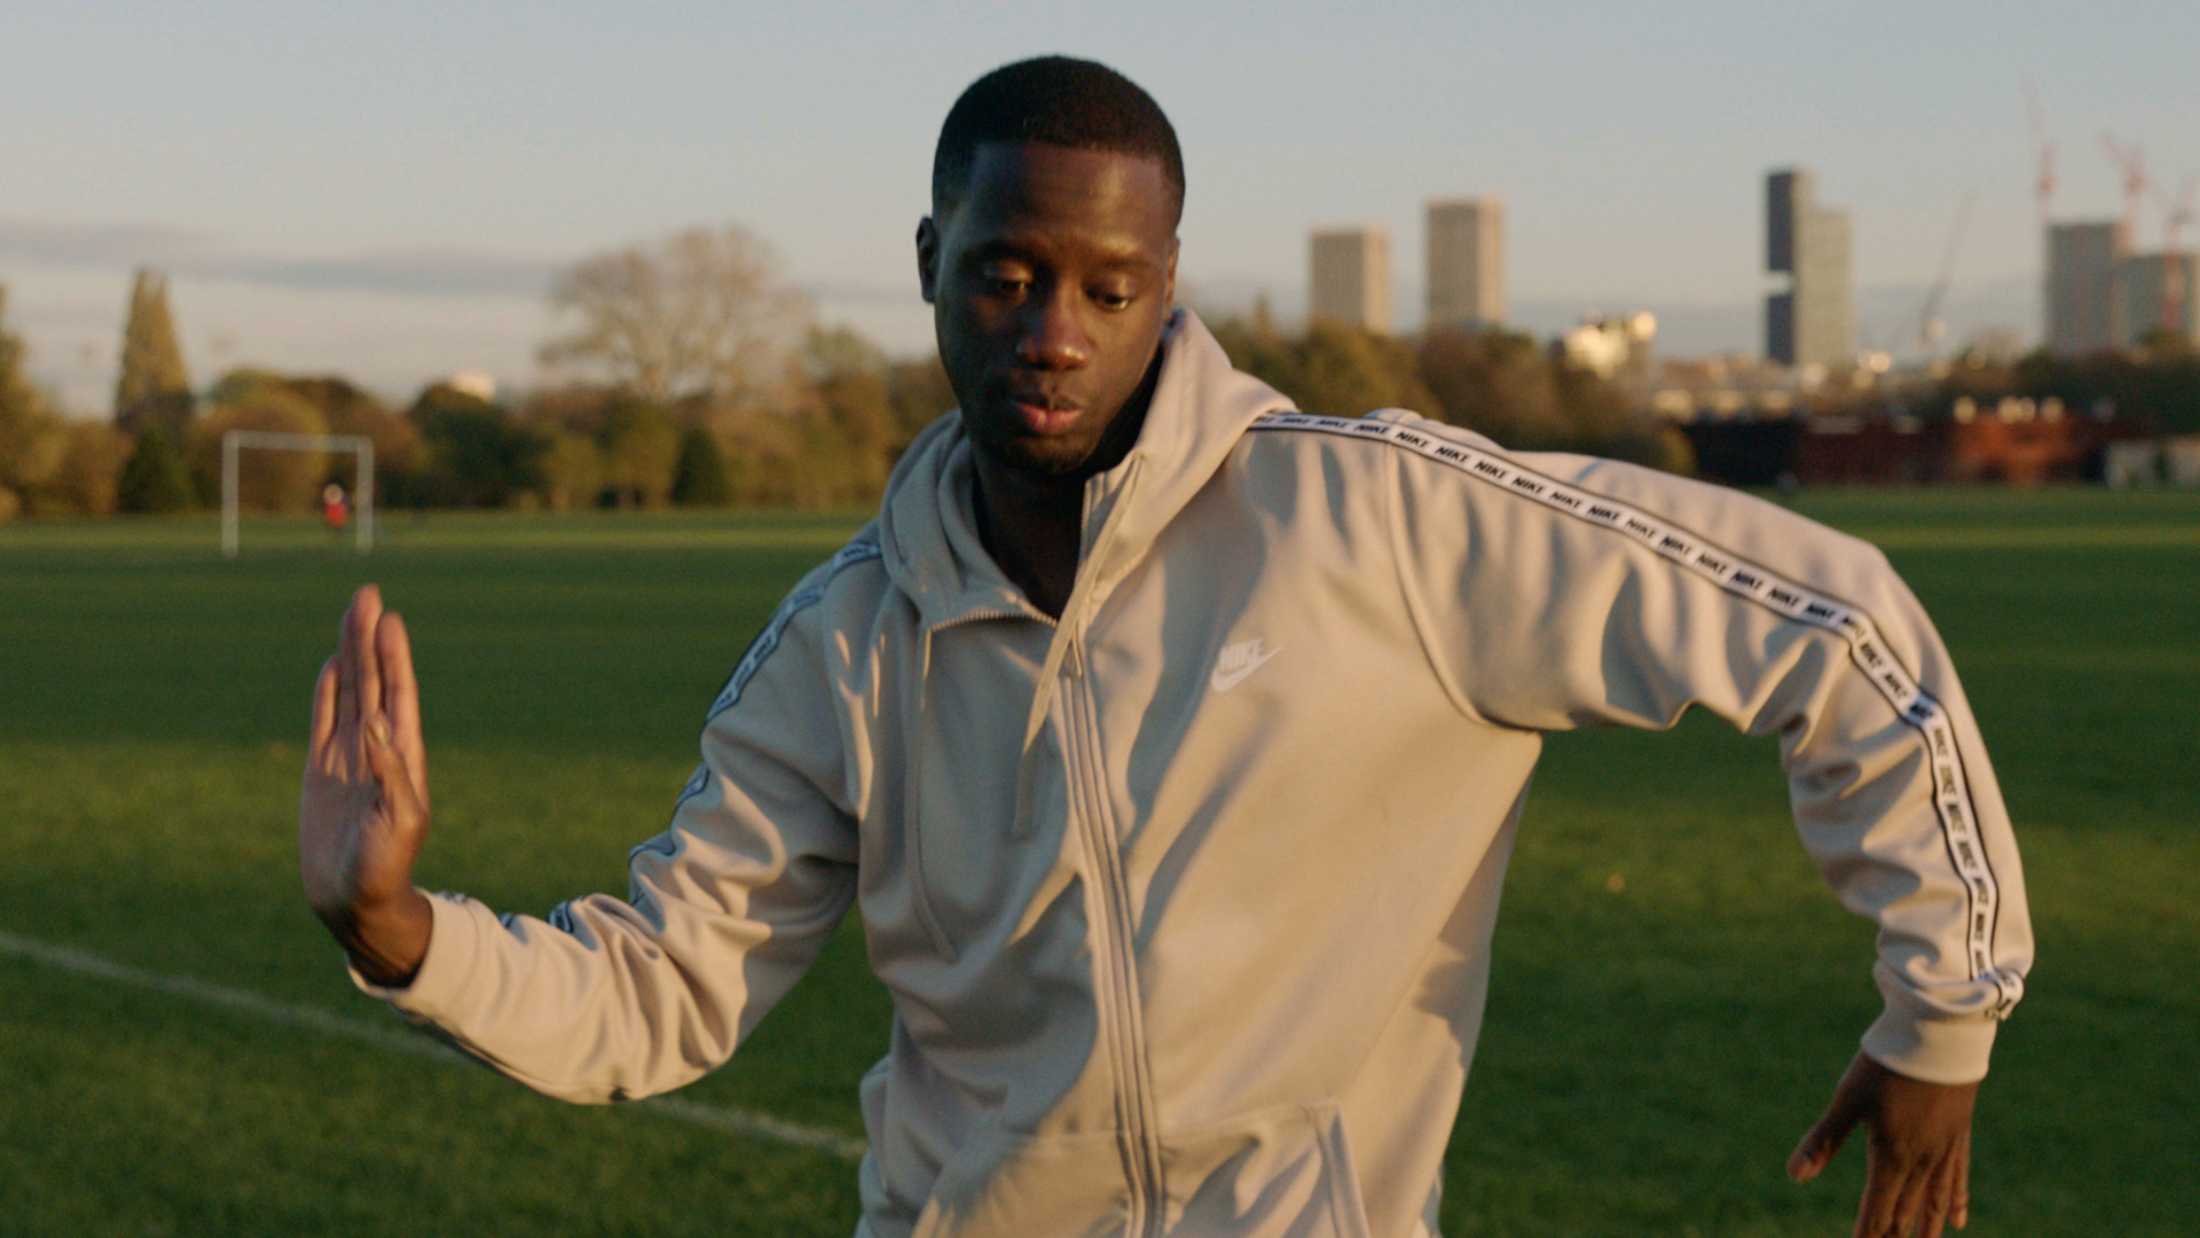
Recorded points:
(363,802)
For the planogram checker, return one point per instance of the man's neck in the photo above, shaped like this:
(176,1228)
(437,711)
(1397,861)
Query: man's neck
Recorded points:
(1032,523)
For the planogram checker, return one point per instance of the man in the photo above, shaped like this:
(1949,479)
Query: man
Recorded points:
(1166,955)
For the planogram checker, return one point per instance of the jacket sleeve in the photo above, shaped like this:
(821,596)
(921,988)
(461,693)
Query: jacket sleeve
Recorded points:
(609,999)
(1558,591)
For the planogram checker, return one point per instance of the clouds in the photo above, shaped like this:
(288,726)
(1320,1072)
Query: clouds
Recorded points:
(198,255)
(392,319)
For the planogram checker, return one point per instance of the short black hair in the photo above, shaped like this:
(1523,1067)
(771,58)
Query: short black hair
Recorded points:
(1058,100)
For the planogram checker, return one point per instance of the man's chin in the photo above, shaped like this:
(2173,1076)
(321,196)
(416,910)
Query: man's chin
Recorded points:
(1049,458)
(1040,456)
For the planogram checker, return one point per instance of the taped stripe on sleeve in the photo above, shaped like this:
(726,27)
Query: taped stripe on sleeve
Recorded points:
(768,640)
(759,650)
(1868,650)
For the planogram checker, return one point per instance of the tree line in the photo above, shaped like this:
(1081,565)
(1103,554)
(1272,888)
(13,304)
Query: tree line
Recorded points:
(2156,385)
(695,377)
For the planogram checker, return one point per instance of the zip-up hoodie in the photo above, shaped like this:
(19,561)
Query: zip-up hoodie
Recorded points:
(1185,900)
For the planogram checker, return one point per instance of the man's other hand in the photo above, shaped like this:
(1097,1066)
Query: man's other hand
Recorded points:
(1917,1163)
(363,806)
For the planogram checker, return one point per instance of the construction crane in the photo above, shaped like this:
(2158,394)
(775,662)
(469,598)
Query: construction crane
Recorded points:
(2043,180)
(1930,326)
(2132,163)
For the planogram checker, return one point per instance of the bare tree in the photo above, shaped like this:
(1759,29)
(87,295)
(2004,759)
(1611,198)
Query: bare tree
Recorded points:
(700,312)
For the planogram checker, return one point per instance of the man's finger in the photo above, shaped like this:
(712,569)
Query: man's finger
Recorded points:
(1914,1187)
(1875,1211)
(1962,1206)
(1940,1198)
(368,602)
(401,699)
(347,667)
(403,806)
(1818,1146)
(1830,1131)
(323,725)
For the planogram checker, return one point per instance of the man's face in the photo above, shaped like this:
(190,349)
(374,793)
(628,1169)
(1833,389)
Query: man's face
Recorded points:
(1050,280)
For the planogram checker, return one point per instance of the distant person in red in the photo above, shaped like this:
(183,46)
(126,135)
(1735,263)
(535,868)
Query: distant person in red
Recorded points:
(335,508)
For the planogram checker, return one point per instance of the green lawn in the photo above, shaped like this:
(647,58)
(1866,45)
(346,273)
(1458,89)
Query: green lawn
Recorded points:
(1650,1054)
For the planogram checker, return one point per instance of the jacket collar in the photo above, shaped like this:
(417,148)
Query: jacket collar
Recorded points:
(927,528)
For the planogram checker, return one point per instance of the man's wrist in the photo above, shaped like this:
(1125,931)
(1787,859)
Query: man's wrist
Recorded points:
(386,942)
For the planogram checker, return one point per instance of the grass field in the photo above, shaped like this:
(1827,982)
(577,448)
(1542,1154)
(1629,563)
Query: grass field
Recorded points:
(1650,1054)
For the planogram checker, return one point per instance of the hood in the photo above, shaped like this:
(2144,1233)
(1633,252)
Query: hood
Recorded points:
(1201,405)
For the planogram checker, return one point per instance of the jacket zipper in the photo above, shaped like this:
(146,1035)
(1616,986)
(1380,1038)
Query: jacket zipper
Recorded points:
(1134,1089)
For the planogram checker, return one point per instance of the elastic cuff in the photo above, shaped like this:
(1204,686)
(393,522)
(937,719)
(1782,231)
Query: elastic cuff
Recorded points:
(453,944)
(1931,1050)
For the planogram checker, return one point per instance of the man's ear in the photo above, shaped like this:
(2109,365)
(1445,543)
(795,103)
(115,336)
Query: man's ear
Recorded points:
(928,259)
(1169,302)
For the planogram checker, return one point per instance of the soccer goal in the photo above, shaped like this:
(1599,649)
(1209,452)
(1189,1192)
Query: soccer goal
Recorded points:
(362,490)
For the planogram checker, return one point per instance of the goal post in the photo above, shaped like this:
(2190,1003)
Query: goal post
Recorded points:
(362,490)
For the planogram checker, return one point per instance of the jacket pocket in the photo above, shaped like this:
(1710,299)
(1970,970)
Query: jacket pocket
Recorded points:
(1284,1172)
(973,866)
(1001,1184)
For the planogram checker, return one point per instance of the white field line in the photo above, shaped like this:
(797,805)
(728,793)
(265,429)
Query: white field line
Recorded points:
(742,1122)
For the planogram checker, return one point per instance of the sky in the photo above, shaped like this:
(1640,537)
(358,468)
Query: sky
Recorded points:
(384,191)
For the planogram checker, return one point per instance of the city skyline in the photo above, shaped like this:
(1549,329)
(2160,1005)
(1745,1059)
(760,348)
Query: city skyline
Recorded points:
(385,194)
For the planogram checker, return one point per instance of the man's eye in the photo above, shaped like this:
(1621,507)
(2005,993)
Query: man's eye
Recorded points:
(1112,298)
(1007,285)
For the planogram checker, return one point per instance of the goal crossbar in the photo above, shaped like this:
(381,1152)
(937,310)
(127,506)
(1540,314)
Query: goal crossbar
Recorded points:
(362,488)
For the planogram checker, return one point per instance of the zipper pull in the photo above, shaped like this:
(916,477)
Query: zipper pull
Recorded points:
(1074,663)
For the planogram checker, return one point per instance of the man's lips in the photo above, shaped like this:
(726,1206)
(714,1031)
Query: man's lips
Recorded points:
(1042,414)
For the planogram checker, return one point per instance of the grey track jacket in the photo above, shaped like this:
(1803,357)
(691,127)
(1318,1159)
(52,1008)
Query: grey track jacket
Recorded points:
(1185,901)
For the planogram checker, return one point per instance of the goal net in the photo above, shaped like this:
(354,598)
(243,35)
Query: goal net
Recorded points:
(362,490)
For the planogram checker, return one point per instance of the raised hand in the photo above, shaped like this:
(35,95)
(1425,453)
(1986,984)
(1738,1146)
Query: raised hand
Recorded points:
(1917,1163)
(363,805)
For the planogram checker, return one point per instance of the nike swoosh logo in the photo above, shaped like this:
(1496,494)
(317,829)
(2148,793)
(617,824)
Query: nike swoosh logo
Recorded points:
(1238,664)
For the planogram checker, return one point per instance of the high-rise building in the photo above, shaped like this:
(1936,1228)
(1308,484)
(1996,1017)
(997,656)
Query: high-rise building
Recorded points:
(2155,292)
(1466,262)
(1814,321)
(1351,277)
(2085,311)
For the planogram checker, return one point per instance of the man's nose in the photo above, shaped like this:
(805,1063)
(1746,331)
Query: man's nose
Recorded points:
(1050,335)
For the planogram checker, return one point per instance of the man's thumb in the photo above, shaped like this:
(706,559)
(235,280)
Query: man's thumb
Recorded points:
(1820,1142)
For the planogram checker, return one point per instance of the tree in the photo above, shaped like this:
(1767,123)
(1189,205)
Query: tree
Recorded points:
(271,481)
(918,391)
(348,409)
(699,477)
(1340,370)
(572,472)
(1349,371)
(91,465)
(155,479)
(573,408)
(641,444)
(1498,383)
(849,387)
(153,387)
(700,312)
(477,455)
(32,444)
